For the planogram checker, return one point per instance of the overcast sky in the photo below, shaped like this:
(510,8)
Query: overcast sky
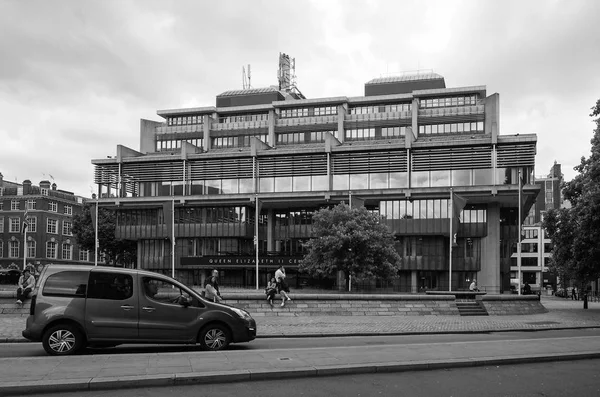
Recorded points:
(77,76)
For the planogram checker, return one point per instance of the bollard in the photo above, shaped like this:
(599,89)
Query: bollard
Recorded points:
(585,301)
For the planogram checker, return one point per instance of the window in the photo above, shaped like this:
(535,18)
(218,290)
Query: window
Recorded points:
(68,210)
(30,204)
(1,202)
(52,206)
(67,228)
(51,226)
(163,291)
(1,224)
(110,286)
(51,250)
(1,249)
(14,205)
(32,224)
(67,251)
(13,249)
(44,191)
(84,255)
(67,283)
(31,245)
(15,224)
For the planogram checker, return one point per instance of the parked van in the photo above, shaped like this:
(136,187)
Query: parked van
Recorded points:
(75,306)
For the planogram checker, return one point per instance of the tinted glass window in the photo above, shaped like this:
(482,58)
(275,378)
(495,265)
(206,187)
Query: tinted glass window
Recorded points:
(163,291)
(67,283)
(111,286)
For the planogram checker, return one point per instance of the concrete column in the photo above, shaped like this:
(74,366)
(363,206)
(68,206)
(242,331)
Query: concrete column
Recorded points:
(270,230)
(206,124)
(415,117)
(492,117)
(341,117)
(272,116)
(414,282)
(489,276)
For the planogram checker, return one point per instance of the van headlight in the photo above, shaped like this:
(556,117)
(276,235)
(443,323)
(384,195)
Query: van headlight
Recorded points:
(242,313)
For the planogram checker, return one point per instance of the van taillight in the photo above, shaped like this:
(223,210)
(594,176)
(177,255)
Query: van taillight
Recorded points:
(32,307)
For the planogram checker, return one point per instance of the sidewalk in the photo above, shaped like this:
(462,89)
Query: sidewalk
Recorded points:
(79,373)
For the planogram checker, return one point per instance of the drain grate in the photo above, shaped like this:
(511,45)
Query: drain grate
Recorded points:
(284,358)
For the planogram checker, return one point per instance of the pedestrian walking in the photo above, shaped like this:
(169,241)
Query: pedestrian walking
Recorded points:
(574,294)
(282,287)
(271,290)
(25,286)
(211,287)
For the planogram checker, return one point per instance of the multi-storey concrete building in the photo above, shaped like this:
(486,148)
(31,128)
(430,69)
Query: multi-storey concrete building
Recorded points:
(50,220)
(536,248)
(400,149)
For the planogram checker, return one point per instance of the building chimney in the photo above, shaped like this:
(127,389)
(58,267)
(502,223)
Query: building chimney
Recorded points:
(45,185)
(26,187)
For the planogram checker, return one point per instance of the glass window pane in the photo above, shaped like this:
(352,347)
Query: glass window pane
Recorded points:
(267,185)
(482,176)
(246,186)
(461,177)
(398,180)
(419,179)
(320,182)
(341,182)
(378,180)
(359,181)
(440,178)
(301,184)
(213,186)
(283,184)
(230,186)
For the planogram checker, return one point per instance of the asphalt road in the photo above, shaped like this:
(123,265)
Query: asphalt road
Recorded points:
(554,379)
(35,349)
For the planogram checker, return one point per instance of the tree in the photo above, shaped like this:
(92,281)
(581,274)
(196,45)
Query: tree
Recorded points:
(353,240)
(117,251)
(575,231)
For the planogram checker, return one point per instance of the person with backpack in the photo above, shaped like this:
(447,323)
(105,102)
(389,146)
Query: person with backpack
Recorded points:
(211,287)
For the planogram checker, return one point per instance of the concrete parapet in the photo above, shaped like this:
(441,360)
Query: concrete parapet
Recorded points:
(502,305)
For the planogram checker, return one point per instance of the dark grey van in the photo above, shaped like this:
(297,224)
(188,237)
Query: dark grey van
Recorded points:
(76,306)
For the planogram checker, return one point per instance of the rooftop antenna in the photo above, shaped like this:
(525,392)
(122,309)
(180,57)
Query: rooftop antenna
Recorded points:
(246,78)
(286,75)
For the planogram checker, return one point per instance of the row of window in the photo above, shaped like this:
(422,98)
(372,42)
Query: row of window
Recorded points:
(52,249)
(173,144)
(449,101)
(364,134)
(451,128)
(184,120)
(308,111)
(395,107)
(240,118)
(375,180)
(31,204)
(43,192)
(302,137)
(14,225)
(429,209)
(223,142)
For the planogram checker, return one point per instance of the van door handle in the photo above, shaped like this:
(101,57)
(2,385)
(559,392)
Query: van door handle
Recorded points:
(126,307)
(148,309)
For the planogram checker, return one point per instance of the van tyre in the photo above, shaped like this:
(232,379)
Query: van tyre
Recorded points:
(62,340)
(214,337)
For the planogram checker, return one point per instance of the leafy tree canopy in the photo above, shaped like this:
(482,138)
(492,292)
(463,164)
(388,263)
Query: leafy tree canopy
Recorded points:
(575,231)
(117,251)
(353,240)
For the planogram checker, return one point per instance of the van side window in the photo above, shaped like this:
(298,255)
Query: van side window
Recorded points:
(67,283)
(162,291)
(111,286)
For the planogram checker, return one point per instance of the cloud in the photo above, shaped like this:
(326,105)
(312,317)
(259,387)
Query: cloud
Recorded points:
(78,75)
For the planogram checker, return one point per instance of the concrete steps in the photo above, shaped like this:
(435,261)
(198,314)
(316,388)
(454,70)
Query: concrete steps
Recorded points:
(470,308)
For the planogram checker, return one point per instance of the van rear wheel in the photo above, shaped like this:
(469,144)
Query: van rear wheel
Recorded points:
(214,337)
(62,340)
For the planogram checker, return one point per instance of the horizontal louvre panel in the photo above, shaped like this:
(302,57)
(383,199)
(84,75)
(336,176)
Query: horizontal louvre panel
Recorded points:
(239,132)
(159,171)
(307,128)
(230,168)
(377,123)
(292,166)
(516,155)
(365,163)
(105,174)
(452,158)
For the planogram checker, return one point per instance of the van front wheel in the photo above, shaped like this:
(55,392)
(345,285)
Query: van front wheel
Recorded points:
(214,337)
(62,340)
